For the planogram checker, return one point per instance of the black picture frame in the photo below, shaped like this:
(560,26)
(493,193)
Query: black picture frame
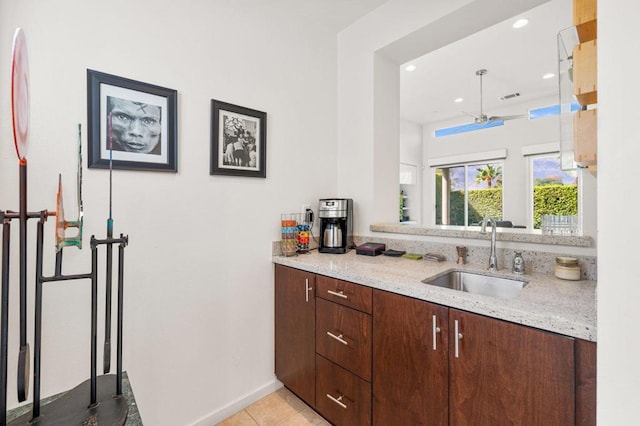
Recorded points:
(142,134)
(238,140)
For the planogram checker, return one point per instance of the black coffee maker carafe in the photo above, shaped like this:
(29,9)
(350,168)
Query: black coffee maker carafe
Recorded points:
(336,225)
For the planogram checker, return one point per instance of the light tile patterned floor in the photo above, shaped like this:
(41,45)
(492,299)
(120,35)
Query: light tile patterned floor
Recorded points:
(281,408)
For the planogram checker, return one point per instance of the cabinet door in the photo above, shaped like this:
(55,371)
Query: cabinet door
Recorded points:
(295,331)
(410,374)
(507,374)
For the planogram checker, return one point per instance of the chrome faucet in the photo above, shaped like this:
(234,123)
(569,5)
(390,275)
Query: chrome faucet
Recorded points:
(493,259)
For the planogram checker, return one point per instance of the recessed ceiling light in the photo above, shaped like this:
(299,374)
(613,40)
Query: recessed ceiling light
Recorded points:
(520,23)
(458,100)
(410,67)
(548,75)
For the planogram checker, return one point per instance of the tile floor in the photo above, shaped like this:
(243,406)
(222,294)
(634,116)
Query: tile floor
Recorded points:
(281,408)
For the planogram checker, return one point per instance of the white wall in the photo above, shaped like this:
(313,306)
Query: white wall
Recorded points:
(410,148)
(368,168)
(410,143)
(199,280)
(618,235)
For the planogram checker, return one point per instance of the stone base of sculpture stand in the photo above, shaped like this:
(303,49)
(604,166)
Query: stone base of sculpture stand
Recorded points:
(71,408)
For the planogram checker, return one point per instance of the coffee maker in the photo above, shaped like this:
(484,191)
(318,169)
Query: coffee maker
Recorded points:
(336,225)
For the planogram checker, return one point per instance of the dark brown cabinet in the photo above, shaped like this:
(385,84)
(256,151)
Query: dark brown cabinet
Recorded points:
(410,374)
(343,347)
(502,373)
(364,356)
(434,365)
(295,313)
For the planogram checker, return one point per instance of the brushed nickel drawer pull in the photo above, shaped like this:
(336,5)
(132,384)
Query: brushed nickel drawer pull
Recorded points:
(338,338)
(337,400)
(458,337)
(435,331)
(338,293)
(307,289)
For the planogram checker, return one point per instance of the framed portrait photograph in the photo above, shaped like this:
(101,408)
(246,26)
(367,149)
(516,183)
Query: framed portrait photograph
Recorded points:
(238,140)
(132,125)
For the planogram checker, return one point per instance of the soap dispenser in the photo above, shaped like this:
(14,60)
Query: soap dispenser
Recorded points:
(518,263)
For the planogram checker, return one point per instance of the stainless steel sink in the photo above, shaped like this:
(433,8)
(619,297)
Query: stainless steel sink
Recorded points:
(486,285)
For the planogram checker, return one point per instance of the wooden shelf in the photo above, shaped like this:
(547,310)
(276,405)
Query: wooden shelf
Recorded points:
(585,137)
(585,84)
(585,74)
(585,19)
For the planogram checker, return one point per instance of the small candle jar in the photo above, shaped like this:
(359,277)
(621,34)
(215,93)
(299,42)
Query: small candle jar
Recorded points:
(567,268)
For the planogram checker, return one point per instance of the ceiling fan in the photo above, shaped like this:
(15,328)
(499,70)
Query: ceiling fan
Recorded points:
(483,118)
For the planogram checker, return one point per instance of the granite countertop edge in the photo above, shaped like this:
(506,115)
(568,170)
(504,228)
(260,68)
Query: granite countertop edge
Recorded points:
(473,233)
(546,302)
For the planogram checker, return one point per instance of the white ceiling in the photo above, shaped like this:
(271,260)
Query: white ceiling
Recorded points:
(516,60)
(338,14)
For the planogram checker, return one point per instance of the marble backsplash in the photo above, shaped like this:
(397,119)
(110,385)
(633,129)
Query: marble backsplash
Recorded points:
(535,260)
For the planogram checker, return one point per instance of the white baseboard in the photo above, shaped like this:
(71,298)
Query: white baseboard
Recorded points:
(237,405)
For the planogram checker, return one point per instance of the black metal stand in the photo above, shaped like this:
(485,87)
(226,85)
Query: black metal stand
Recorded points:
(73,407)
(23,354)
(4,321)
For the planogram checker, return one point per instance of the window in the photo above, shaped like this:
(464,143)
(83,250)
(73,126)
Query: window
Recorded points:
(466,193)
(553,191)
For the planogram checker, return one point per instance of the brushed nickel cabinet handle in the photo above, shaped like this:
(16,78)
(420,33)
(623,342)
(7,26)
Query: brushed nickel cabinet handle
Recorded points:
(337,400)
(458,337)
(307,289)
(338,338)
(435,332)
(338,293)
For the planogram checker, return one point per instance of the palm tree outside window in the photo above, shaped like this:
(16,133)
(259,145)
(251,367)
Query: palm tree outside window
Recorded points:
(466,193)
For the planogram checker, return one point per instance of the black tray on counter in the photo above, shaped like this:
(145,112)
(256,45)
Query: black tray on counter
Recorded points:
(393,253)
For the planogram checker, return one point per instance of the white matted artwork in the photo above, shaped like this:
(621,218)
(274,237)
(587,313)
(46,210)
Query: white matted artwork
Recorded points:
(132,125)
(238,140)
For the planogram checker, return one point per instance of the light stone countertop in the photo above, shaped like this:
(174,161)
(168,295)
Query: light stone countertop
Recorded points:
(473,233)
(547,303)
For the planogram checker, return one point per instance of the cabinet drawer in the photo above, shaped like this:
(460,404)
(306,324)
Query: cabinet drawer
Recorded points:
(341,397)
(343,335)
(345,293)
